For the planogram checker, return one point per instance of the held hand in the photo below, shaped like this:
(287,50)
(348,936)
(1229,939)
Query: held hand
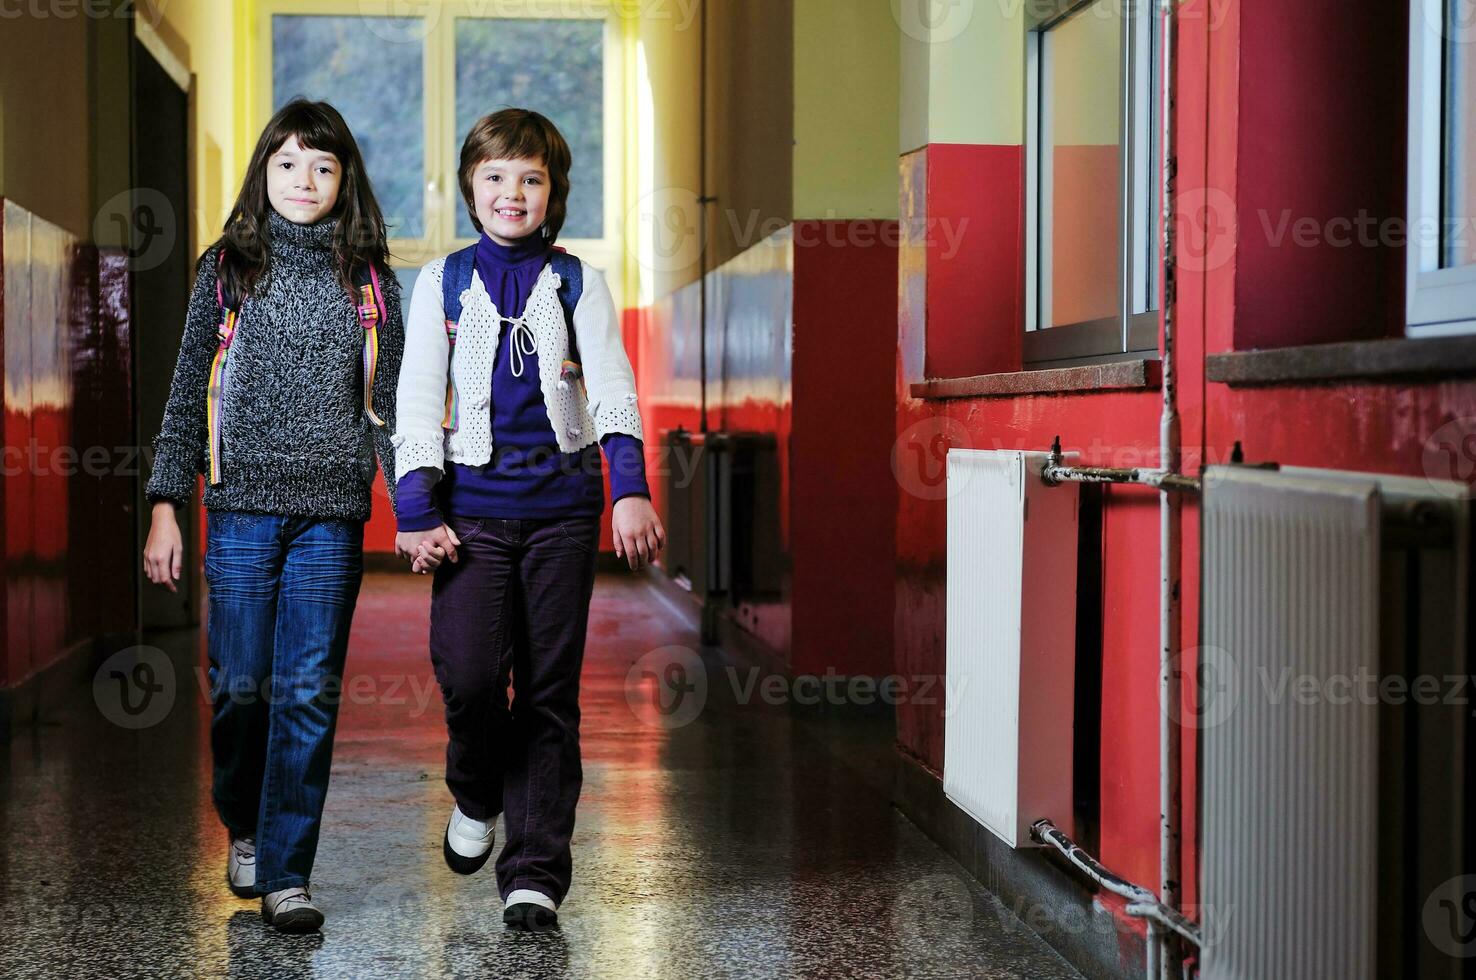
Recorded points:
(164,551)
(425,550)
(639,536)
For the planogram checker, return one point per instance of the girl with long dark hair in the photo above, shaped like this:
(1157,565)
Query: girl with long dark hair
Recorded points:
(283,395)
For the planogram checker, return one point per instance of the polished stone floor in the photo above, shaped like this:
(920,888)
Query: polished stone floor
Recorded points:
(724,837)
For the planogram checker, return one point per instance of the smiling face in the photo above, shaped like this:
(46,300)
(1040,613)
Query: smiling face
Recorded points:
(302,184)
(511,198)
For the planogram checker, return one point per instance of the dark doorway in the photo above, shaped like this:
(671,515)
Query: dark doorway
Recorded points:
(161,290)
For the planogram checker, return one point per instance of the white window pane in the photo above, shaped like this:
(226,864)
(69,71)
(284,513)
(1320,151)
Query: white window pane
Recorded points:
(373,77)
(1083,69)
(1458,242)
(556,67)
(1155,156)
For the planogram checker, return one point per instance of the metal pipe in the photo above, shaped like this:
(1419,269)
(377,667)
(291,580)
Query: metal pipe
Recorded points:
(1158,479)
(1142,903)
(1170,520)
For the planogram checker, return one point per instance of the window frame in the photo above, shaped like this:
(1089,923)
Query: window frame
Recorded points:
(1438,302)
(1132,333)
(442,197)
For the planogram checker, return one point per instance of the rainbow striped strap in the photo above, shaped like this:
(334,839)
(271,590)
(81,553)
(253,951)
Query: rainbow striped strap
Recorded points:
(226,332)
(371,311)
(448,421)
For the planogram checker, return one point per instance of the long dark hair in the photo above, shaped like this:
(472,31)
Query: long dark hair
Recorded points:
(360,237)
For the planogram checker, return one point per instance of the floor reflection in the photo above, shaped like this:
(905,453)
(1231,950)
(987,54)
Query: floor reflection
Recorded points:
(750,841)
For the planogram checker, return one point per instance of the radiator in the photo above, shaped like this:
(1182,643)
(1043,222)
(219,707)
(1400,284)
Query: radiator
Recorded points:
(1011,625)
(1307,823)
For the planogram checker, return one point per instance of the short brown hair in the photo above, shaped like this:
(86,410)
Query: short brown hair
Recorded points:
(519,134)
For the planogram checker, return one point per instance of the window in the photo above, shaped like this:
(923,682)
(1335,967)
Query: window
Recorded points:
(1441,292)
(411,86)
(1092,165)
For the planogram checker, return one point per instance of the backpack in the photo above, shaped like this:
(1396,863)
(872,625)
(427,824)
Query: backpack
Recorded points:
(457,276)
(371,311)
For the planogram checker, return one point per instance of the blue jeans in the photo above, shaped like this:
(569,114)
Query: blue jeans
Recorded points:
(282,595)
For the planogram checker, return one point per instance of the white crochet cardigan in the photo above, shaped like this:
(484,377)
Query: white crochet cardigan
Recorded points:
(580,414)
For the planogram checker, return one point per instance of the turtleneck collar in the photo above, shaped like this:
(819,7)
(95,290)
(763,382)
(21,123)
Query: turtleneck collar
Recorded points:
(521,253)
(283,231)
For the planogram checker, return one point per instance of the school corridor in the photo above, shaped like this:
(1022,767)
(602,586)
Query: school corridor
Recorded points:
(1061,414)
(714,839)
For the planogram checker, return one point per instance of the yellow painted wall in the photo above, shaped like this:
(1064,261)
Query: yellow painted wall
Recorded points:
(847,65)
(963,72)
(211,39)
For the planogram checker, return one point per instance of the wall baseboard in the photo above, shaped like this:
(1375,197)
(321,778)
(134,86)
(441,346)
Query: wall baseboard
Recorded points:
(1051,898)
(27,704)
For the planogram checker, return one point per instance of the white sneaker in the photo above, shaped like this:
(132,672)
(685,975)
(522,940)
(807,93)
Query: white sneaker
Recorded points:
(291,910)
(241,867)
(468,842)
(527,910)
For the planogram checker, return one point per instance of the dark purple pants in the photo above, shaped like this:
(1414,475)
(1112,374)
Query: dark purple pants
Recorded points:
(516,603)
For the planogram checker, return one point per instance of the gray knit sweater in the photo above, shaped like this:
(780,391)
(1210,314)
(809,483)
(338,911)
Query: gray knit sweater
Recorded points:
(295,440)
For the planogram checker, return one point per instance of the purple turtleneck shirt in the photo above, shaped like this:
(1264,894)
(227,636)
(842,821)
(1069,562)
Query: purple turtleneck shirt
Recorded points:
(527,476)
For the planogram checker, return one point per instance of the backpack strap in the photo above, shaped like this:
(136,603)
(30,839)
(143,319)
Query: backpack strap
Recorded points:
(230,311)
(571,287)
(370,304)
(371,311)
(456,276)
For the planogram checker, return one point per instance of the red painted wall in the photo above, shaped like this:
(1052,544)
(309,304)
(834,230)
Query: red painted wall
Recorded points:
(67,490)
(1279,108)
(844,495)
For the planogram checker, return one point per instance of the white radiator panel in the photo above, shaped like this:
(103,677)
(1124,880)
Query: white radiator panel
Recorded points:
(1011,637)
(1291,589)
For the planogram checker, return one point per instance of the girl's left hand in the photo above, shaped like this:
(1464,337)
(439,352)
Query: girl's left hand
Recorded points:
(639,536)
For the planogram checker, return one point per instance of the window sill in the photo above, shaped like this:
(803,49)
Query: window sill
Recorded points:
(1132,375)
(1365,359)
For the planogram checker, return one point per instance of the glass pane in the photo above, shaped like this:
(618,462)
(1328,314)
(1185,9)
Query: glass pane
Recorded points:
(556,67)
(1155,155)
(1458,242)
(372,74)
(1083,72)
